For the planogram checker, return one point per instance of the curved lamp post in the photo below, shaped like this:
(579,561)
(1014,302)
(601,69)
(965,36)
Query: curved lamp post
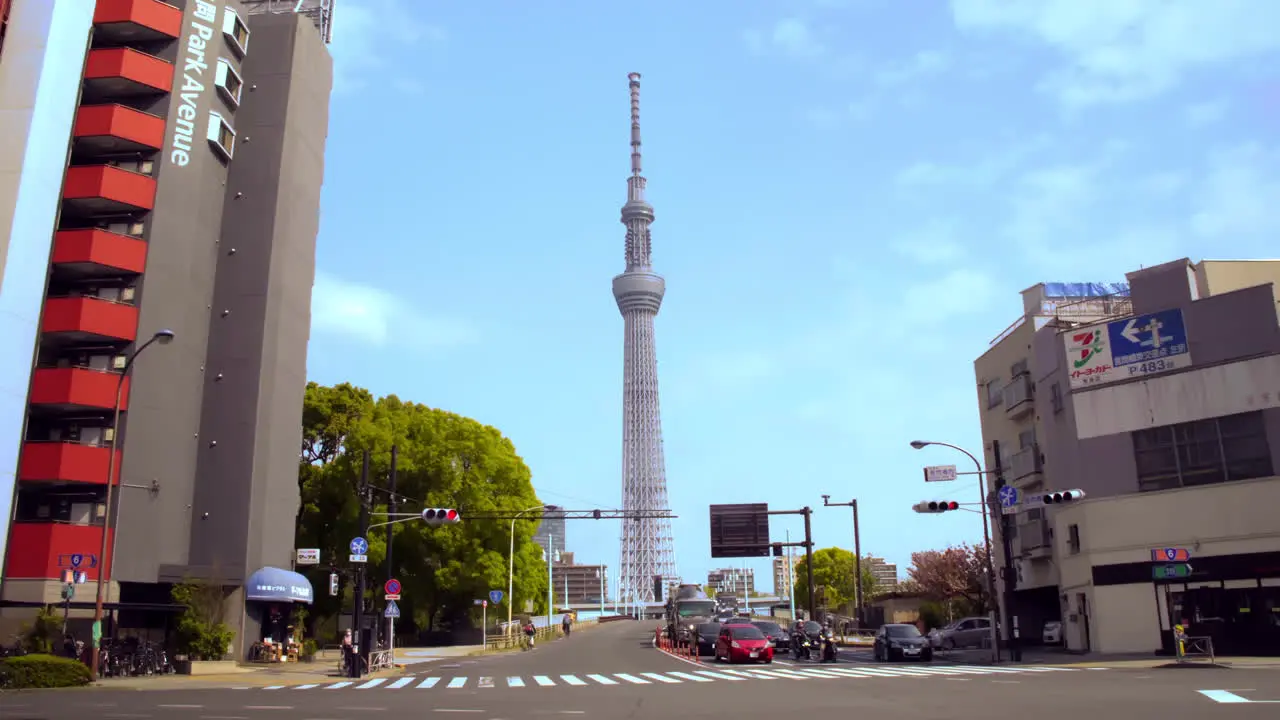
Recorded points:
(511,562)
(983,506)
(164,337)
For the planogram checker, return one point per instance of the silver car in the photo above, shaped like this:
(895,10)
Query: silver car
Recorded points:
(966,633)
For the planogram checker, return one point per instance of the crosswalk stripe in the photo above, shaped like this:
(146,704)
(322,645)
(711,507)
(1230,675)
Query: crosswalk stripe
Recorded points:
(371,684)
(337,686)
(811,672)
(277,687)
(791,674)
(456,683)
(400,683)
(428,683)
(603,680)
(754,674)
(847,672)
(632,679)
(303,687)
(543,680)
(690,677)
(660,678)
(515,681)
(718,676)
(572,680)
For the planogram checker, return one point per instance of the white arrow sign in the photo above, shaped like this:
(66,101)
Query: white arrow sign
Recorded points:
(1130,331)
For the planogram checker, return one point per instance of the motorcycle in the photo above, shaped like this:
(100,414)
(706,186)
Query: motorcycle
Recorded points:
(801,647)
(828,646)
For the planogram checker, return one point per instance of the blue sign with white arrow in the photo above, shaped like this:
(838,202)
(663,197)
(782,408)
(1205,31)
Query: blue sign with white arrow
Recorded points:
(495,596)
(359,546)
(1149,344)
(1008,496)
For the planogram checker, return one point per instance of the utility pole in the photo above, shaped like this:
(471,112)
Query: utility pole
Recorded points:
(808,560)
(391,510)
(1009,572)
(857,556)
(357,613)
(791,580)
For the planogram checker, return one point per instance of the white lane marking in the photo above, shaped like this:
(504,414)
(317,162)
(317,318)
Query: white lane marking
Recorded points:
(266,707)
(660,677)
(400,683)
(632,679)
(305,687)
(602,679)
(791,674)
(819,674)
(428,683)
(176,707)
(340,685)
(372,684)
(515,681)
(719,676)
(275,687)
(850,673)
(1007,682)
(690,677)
(456,683)
(543,680)
(573,680)
(454,710)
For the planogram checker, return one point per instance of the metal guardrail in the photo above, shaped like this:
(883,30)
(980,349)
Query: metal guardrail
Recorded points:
(380,660)
(1191,649)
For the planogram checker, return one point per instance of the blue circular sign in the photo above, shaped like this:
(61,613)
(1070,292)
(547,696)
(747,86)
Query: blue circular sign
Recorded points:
(359,546)
(495,596)
(1008,496)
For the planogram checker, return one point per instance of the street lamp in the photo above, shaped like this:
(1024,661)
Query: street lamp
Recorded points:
(164,337)
(986,531)
(511,562)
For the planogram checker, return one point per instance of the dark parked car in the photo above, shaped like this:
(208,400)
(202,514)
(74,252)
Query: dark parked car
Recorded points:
(707,634)
(779,638)
(902,642)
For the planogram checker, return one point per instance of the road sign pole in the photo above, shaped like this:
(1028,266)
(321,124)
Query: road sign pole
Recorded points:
(484,626)
(1010,573)
(357,612)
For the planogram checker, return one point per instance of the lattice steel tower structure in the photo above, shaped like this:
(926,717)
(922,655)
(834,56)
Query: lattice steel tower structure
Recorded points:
(647,546)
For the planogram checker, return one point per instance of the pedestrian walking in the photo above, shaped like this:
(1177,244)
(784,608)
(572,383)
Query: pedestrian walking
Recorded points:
(566,624)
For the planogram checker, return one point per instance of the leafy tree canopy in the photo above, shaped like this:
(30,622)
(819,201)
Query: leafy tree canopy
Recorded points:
(833,571)
(959,572)
(444,460)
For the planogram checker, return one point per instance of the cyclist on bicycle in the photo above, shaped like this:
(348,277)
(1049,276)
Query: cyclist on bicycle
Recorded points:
(529,632)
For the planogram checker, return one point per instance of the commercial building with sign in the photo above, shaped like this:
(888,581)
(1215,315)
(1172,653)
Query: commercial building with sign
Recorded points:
(161,180)
(574,584)
(1161,401)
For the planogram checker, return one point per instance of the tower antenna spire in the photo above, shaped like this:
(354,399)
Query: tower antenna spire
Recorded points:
(636,167)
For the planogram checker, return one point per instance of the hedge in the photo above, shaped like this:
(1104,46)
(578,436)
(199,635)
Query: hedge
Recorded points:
(42,671)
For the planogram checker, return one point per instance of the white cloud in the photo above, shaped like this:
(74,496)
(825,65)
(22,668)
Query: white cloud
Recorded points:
(376,317)
(790,36)
(1238,196)
(366,35)
(1124,50)
(994,166)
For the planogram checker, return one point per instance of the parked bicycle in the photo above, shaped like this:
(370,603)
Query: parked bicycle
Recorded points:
(130,657)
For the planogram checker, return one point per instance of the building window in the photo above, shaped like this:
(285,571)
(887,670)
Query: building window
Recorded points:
(235,31)
(1019,368)
(1026,439)
(995,394)
(1055,397)
(221,135)
(228,82)
(1204,452)
(1073,539)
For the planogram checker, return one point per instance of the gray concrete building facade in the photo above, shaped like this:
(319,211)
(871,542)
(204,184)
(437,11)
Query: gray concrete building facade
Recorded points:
(190,204)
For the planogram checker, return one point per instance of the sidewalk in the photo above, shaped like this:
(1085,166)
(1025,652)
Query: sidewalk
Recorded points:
(1062,658)
(248,676)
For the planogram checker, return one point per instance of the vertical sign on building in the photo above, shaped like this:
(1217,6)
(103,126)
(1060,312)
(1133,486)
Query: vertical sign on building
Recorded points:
(194,59)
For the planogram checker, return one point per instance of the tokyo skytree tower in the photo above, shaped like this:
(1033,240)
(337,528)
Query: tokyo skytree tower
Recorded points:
(647,545)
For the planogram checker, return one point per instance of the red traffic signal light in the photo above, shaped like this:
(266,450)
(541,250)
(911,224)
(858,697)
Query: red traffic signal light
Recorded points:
(935,506)
(441,516)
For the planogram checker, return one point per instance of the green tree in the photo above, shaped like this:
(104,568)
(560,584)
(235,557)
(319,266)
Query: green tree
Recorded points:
(444,460)
(833,571)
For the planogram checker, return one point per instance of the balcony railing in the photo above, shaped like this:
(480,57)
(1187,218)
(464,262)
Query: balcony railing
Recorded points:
(1017,395)
(1025,463)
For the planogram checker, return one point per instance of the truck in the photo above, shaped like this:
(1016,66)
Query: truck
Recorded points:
(727,601)
(686,609)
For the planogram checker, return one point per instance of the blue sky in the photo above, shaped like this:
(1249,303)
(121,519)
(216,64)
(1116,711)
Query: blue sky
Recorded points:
(849,196)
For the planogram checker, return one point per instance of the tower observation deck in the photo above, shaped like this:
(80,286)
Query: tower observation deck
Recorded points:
(647,547)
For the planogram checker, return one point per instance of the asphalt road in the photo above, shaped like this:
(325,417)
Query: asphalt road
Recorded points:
(619,675)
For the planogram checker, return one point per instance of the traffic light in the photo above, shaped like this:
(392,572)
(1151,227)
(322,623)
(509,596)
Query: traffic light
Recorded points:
(441,516)
(1063,496)
(333,584)
(935,506)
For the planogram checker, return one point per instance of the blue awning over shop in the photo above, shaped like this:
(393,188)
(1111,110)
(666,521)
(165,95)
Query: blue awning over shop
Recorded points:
(272,584)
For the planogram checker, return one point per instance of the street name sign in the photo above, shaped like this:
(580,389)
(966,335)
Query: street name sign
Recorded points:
(307,556)
(1170,555)
(1175,571)
(940,473)
(1137,346)
(358,558)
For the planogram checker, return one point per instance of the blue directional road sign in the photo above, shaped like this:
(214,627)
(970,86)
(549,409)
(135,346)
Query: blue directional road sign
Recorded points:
(359,546)
(1008,496)
(495,596)
(1149,344)
(392,611)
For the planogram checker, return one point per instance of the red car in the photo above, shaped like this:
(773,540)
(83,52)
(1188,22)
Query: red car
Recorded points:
(743,643)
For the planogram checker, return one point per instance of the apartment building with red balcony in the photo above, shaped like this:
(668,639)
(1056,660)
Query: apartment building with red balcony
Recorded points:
(158,216)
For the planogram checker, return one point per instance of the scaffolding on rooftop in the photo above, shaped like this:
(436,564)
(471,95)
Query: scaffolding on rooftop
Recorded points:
(319,11)
(1070,312)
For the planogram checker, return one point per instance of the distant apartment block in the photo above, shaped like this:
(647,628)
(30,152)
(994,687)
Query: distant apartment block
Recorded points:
(885,573)
(734,580)
(783,580)
(574,584)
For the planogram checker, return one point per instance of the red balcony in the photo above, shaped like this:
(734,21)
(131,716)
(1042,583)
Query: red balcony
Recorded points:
(130,21)
(65,462)
(107,190)
(116,130)
(40,551)
(76,389)
(88,319)
(125,72)
(98,253)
